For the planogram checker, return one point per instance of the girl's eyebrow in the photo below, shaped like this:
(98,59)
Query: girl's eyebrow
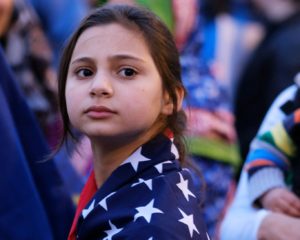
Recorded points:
(82,60)
(111,58)
(126,57)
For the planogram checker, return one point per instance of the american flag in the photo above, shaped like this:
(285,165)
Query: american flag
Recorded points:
(148,197)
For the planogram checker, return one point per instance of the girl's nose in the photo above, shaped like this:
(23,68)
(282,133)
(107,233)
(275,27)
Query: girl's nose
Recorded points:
(101,86)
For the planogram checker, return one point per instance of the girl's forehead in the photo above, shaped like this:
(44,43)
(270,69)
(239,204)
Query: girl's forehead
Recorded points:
(112,31)
(112,38)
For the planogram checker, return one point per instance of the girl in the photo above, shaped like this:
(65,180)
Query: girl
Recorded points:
(119,84)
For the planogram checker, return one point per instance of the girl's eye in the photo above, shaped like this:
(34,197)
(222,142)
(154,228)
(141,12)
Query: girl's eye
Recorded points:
(84,73)
(128,72)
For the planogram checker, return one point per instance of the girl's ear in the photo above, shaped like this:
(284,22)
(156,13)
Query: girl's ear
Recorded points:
(168,105)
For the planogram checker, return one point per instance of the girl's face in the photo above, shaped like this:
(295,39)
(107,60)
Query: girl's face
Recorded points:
(113,89)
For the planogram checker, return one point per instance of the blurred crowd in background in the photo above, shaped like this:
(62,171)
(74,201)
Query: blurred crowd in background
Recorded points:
(236,56)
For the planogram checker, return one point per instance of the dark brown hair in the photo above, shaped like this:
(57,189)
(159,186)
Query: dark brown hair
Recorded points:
(162,48)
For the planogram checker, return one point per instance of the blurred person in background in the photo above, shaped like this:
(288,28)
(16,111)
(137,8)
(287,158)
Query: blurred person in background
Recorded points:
(270,69)
(28,52)
(263,206)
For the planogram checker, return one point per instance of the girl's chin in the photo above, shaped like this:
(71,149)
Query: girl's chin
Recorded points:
(116,137)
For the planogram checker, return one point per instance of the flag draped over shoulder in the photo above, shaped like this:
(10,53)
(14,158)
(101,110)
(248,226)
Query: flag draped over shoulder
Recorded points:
(148,197)
(34,203)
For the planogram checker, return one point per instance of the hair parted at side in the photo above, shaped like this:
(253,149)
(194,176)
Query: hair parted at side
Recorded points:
(162,49)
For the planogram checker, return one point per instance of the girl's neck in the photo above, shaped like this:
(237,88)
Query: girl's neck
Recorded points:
(107,157)
(106,161)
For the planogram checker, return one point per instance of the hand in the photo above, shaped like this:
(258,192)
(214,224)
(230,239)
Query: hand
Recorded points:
(278,226)
(281,200)
(205,123)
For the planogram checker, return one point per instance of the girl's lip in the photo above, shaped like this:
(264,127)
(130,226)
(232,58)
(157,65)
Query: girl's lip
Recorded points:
(98,109)
(99,112)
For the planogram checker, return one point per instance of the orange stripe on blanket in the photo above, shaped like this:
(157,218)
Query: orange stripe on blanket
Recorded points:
(259,162)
